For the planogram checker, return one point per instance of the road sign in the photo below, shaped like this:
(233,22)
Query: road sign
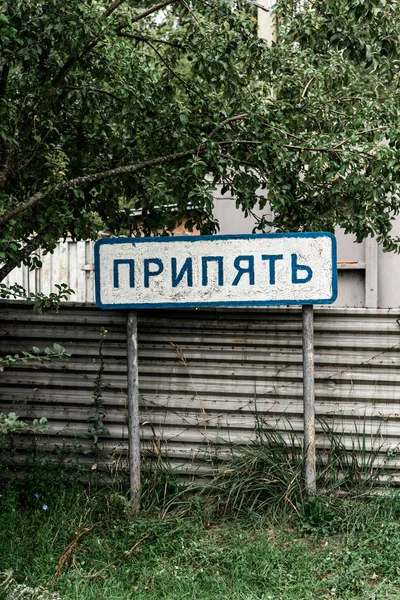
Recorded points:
(220,270)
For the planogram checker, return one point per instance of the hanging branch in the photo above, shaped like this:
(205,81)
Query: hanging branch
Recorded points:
(91,179)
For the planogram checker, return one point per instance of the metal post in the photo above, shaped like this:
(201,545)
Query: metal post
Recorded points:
(309,397)
(371,273)
(133,410)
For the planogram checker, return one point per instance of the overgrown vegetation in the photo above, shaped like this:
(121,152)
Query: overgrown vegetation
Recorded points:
(36,355)
(110,109)
(42,303)
(252,533)
(87,544)
(11,423)
(97,412)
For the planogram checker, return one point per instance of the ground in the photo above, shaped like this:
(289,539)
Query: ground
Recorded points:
(86,544)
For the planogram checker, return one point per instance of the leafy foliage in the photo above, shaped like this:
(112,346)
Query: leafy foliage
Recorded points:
(97,412)
(11,423)
(107,108)
(41,303)
(36,355)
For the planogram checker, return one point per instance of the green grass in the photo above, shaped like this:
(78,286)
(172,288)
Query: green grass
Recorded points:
(328,549)
(251,534)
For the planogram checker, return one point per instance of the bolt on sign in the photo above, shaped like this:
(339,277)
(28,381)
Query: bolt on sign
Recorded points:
(221,270)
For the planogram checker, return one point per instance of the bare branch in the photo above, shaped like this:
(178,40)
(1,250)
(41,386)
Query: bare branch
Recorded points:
(92,179)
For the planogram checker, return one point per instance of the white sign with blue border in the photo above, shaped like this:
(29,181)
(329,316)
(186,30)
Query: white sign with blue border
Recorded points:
(220,270)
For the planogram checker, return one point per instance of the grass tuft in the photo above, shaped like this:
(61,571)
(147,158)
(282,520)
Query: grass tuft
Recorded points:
(268,472)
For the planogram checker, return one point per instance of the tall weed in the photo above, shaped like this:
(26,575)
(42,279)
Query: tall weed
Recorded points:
(263,473)
(350,464)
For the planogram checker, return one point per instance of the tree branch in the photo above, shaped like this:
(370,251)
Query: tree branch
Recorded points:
(172,71)
(5,164)
(233,142)
(142,38)
(311,149)
(65,69)
(111,8)
(72,60)
(359,133)
(23,254)
(56,83)
(305,90)
(225,122)
(337,147)
(58,80)
(93,178)
(52,90)
(296,137)
(3,81)
(96,90)
(4,146)
(49,94)
(189,10)
(151,10)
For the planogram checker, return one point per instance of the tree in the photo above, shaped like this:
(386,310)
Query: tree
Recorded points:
(107,107)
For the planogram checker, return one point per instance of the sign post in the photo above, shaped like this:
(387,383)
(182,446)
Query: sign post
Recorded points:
(309,397)
(221,271)
(133,410)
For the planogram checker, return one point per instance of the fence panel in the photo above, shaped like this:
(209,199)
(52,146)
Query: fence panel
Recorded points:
(207,377)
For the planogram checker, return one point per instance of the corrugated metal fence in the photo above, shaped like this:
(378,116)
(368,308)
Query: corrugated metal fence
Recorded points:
(206,375)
